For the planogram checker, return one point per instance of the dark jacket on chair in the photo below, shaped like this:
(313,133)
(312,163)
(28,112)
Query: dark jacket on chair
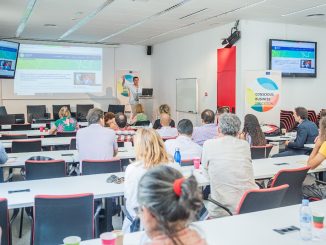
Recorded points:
(307,131)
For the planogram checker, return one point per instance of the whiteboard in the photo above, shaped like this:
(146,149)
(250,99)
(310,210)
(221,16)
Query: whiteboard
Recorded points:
(187,95)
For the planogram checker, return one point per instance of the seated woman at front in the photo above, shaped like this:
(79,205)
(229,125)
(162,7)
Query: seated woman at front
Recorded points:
(150,152)
(252,131)
(140,115)
(168,204)
(65,123)
(109,121)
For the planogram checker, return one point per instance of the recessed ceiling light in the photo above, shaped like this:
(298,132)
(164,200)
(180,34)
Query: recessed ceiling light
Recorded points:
(315,15)
(50,25)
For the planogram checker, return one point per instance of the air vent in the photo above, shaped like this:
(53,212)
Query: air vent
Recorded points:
(172,8)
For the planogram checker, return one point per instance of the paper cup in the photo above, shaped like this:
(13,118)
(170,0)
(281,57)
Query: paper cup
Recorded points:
(41,129)
(72,240)
(318,220)
(196,163)
(119,234)
(108,238)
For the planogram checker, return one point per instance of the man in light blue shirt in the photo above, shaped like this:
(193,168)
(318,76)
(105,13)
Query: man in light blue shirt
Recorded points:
(3,159)
(134,92)
(208,130)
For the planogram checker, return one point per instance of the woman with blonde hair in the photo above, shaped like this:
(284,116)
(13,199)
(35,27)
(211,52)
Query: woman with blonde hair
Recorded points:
(150,152)
(140,116)
(163,109)
(65,123)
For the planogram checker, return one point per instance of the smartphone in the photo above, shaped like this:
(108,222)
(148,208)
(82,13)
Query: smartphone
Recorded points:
(286,230)
(281,163)
(112,179)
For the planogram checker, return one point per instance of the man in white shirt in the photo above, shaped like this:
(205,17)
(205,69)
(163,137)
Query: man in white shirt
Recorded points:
(166,131)
(226,161)
(134,92)
(96,142)
(188,148)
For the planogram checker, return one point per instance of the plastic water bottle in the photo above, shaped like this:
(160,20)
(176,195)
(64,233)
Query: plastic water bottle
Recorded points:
(177,156)
(305,221)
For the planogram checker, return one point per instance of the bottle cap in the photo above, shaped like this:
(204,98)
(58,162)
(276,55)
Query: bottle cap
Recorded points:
(305,202)
(177,149)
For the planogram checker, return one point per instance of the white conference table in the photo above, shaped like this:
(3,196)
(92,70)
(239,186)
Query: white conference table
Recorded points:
(18,159)
(253,228)
(51,141)
(38,125)
(29,133)
(311,146)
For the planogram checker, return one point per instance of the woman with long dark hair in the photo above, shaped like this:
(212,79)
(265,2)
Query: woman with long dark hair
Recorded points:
(252,131)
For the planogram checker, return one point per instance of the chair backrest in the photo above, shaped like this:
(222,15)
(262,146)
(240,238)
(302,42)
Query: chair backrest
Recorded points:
(35,112)
(57,217)
(13,136)
(101,166)
(72,145)
(66,134)
(261,199)
(26,146)
(82,111)
(187,162)
(260,152)
(4,222)
(56,109)
(142,123)
(294,178)
(3,111)
(17,127)
(45,169)
(116,109)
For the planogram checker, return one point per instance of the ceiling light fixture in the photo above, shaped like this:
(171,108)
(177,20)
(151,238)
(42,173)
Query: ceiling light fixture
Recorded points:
(315,15)
(86,19)
(192,14)
(303,10)
(27,14)
(145,20)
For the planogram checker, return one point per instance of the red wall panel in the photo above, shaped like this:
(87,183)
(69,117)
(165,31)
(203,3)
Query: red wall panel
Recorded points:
(226,77)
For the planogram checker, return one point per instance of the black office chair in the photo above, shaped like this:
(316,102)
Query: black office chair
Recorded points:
(294,178)
(116,109)
(56,109)
(67,134)
(82,110)
(18,127)
(143,123)
(101,166)
(5,239)
(260,152)
(56,217)
(72,145)
(36,112)
(26,146)
(13,136)
(44,169)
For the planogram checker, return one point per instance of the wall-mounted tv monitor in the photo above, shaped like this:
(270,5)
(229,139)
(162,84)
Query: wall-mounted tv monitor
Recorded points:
(8,58)
(293,58)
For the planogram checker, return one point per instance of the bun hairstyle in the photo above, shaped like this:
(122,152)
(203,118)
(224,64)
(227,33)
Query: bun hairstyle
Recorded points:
(64,112)
(164,109)
(170,198)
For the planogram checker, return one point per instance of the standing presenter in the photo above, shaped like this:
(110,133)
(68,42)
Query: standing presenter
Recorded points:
(134,92)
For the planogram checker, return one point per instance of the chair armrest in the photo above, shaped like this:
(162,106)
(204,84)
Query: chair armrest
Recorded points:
(220,205)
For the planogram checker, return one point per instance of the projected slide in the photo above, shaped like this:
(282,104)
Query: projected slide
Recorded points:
(294,57)
(45,69)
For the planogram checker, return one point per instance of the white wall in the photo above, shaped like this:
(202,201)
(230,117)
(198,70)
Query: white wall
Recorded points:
(129,57)
(193,56)
(307,92)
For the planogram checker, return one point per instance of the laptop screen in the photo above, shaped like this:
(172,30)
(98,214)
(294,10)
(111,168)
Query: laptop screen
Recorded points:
(147,92)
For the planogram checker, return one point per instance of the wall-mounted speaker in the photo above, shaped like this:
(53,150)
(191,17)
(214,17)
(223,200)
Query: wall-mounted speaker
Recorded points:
(149,50)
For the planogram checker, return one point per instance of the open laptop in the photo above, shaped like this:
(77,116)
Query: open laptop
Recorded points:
(147,92)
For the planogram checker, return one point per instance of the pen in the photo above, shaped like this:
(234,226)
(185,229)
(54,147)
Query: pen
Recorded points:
(23,190)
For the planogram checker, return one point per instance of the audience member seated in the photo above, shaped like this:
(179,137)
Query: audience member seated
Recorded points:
(166,131)
(220,111)
(3,160)
(96,142)
(188,148)
(307,131)
(227,163)
(208,130)
(109,121)
(121,121)
(140,115)
(167,207)
(150,152)
(65,123)
(163,109)
(317,156)
(252,131)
